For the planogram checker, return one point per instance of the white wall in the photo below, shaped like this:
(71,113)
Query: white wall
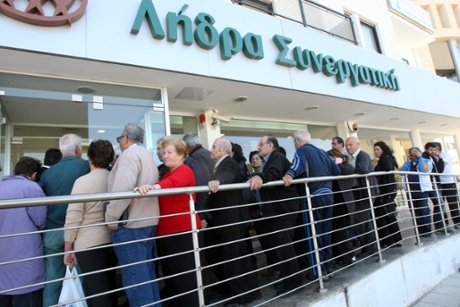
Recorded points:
(401,282)
(105,35)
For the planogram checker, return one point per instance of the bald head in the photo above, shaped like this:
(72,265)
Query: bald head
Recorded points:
(352,144)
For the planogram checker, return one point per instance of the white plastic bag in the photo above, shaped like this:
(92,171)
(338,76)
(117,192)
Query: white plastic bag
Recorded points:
(71,290)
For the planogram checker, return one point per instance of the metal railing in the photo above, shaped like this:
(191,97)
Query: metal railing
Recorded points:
(206,281)
(309,14)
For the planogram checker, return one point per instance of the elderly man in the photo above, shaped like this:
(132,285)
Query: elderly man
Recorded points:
(58,180)
(310,161)
(200,154)
(278,211)
(230,238)
(363,228)
(134,167)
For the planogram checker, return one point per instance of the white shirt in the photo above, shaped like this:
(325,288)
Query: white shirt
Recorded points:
(448,169)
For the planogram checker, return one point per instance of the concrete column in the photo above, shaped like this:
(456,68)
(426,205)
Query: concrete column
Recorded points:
(416,138)
(344,130)
(397,149)
(457,143)
(455,54)
(207,131)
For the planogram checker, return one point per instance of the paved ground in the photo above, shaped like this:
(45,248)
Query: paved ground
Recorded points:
(449,289)
(446,294)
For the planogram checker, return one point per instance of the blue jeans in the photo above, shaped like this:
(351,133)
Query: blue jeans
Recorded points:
(53,242)
(422,212)
(138,273)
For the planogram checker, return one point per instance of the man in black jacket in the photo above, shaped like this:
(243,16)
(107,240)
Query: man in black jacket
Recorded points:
(279,216)
(363,228)
(228,211)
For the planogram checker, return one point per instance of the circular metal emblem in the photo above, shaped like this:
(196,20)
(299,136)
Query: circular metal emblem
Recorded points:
(51,13)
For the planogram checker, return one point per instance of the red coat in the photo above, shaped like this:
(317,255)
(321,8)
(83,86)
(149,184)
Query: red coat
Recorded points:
(182,176)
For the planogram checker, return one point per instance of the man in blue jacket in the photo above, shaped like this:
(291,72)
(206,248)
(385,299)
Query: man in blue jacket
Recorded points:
(310,161)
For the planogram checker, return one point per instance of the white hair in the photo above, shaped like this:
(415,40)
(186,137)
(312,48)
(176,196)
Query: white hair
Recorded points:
(68,144)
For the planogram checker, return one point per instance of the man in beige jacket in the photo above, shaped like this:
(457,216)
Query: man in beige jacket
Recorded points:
(134,167)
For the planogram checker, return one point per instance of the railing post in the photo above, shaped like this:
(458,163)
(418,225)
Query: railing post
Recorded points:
(196,251)
(314,239)
(412,207)
(374,222)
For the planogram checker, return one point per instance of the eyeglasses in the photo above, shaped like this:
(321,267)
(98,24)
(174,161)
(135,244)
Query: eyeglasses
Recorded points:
(262,144)
(119,138)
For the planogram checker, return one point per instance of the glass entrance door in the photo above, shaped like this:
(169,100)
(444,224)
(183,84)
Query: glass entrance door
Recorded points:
(38,111)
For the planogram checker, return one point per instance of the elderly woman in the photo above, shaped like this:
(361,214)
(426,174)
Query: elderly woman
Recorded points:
(22,220)
(100,155)
(385,207)
(174,152)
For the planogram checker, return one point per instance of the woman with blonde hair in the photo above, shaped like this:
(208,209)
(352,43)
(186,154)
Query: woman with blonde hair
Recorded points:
(174,152)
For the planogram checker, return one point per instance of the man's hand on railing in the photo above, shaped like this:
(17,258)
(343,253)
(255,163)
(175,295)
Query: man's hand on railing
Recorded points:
(256,182)
(287,180)
(214,185)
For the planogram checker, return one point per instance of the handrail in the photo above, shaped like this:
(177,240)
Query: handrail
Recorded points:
(56,200)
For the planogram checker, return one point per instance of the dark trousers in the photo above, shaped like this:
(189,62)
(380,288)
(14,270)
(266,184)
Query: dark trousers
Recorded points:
(181,243)
(422,212)
(363,228)
(32,299)
(95,260)
(283,249)
(388,228)
(341,225)
(235,270)
(437,209)
(449,191)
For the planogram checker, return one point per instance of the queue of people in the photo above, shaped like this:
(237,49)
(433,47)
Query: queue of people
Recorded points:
(153,236)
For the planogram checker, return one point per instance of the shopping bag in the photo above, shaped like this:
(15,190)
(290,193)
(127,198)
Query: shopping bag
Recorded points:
(71,290)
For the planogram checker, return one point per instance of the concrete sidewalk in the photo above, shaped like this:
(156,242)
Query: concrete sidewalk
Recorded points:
(446,294)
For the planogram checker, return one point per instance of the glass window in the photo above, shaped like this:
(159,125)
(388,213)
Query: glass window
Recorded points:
(370,37)
(38,111)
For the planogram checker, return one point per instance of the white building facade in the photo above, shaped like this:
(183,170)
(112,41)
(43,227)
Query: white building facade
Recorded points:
(220,68)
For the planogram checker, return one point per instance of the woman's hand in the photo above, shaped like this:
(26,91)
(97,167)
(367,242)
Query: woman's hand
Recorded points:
(144,189)
(69,259)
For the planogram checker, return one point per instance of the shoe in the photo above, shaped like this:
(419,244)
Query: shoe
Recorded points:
(442,232)
(311,276)
(278,286)
(233,303)
(351,261)
(267,272)
(274,276)
(426,235)
(457,226)
(325,277)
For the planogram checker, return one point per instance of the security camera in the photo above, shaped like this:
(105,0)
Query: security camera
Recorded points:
(221,117)
(355,127)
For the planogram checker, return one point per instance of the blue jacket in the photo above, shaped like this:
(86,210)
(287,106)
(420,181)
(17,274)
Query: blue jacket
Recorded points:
(310,161)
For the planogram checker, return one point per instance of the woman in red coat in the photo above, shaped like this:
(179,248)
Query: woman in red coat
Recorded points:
(174,152)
